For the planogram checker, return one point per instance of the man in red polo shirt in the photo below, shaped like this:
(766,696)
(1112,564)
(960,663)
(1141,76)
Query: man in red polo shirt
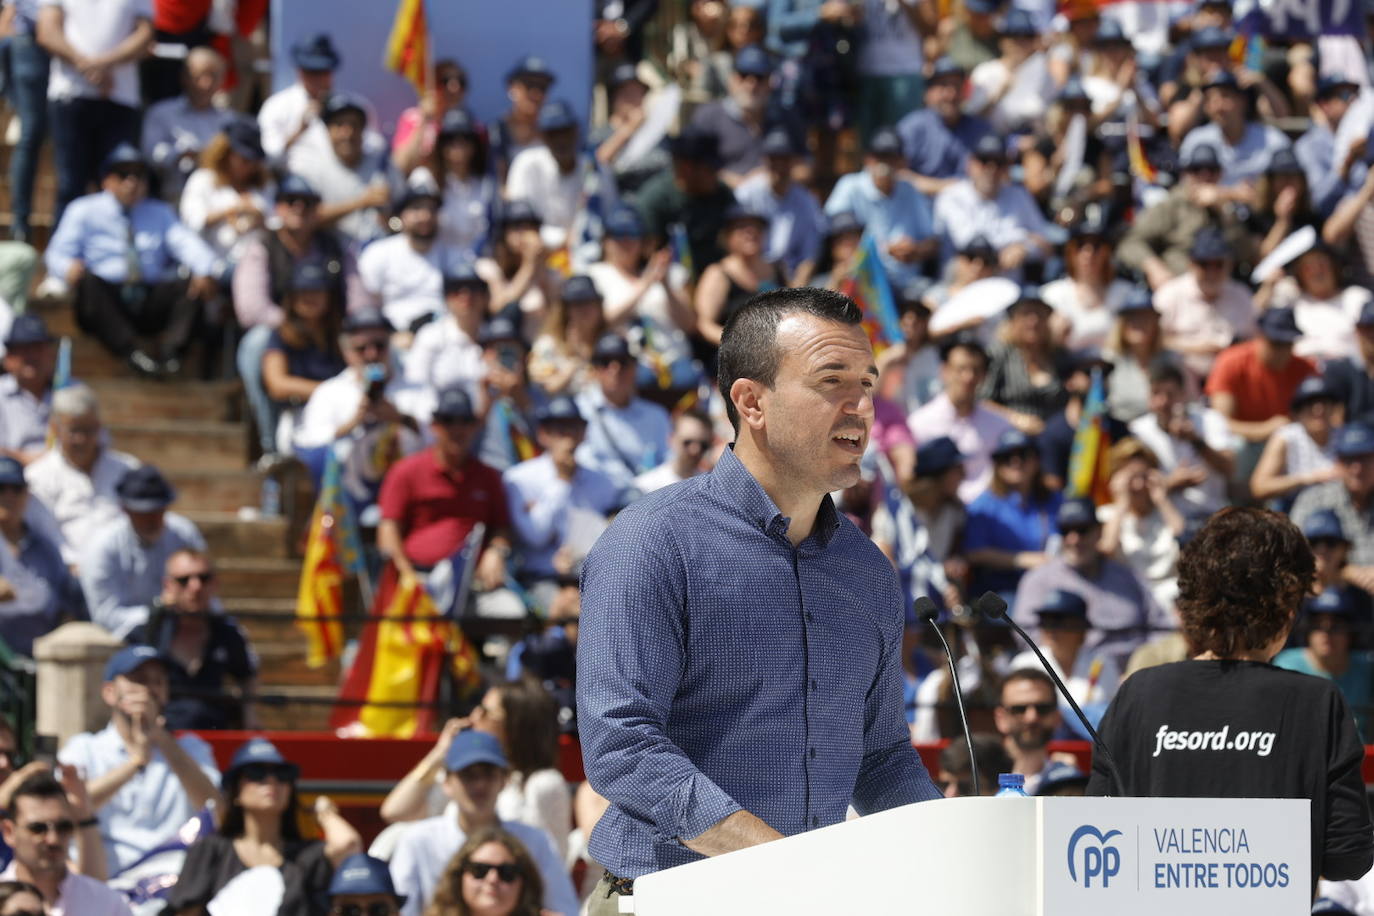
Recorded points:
(432,500)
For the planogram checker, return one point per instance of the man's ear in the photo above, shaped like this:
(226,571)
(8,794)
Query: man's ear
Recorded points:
(747,396)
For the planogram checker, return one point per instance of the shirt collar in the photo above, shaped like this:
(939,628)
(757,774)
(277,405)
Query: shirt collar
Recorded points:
(743,491)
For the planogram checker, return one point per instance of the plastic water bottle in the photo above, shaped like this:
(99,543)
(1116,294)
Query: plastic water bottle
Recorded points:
(1011,785)
(271,497)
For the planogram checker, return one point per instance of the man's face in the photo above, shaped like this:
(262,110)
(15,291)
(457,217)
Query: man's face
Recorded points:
(31,364)
(986,175)
(1063,632)
(79,438)
(1330,555)
(1328,635)
(1211,276)
(474,789)
(1080,547)
(370,346)
(316,83)
(1335,105)
(915,322)
(560,438)
(1165,399)
(749,91)
(883,170)
(617,380)
(420,220)
(1224,106)
(692,439)
(527,95)
(143,691)
(1358,474)
(467,304)
(817,416)
(962,374)
(203,78)
(454,437)
(694,177)
(39,833)
(1028,714)
(942,96)
(779,169)
(128,184)
(346,136)
(14,498)
(298,214)
(562,143)
(147,525)
(1201,177)
(189,584)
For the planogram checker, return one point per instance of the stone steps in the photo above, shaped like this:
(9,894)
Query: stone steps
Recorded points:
(191,445)
(129,400)
(228,535)
(257,577)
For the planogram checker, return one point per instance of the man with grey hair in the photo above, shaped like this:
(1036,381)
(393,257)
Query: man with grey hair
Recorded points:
(175,130)
(74,481)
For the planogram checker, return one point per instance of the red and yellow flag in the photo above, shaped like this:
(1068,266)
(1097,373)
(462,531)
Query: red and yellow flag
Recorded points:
(332,549)
(407,50)
(1135,152)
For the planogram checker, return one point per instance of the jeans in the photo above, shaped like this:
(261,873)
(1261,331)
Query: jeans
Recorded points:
(84,132)
(28,93)
(249,362)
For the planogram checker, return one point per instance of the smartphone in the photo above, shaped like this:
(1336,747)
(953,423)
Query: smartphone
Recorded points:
(45,749)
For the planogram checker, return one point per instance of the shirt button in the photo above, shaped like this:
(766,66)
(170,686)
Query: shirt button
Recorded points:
(813,753)
(815,821)
(810,618)
(813,683)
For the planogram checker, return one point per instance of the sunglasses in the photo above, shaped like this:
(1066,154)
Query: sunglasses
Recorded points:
(261,772)
(1330,626)
(64,827)
(379,908)
(204,578)
(126,174)
(371,346)
(506,872)
(699,443)
(1041,709)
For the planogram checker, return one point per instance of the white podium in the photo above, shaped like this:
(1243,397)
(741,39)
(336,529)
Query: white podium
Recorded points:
(1015,857)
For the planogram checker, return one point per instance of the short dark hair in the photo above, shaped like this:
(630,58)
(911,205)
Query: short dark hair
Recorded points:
(694,413)
(988,750)
(1026,674)
(39,785)
(748,345)
(963,341)
(1241,580)
(531,741)
(1166,370)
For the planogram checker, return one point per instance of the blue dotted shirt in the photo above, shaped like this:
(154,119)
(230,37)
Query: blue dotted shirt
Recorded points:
(720,668)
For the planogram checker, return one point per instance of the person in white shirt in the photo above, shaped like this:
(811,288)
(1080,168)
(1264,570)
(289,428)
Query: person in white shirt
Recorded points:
(691,442)
(291,118)
(1013,90)
(39,825)
(227,200)
(556,177)
(1194,444)
(93,90)
(404,272)
(352,174)
(626,435)
(144,782)
(75,480)
(989,205)
(176,130)
(476,771)
(1092,679)
(446,352)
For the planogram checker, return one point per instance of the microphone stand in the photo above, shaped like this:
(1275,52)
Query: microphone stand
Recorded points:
(927,611)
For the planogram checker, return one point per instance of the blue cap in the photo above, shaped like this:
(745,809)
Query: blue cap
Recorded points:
(557,115)
(530,67)
(579,288)
(1325,906)
(457,123)
(462,275)
(1313,388)
(366,319)
(753,61)
(1076,513)
(1222,79)
(1283,162)
(1139,299)
(245,138)
(694,144)
(1354,440)
(361,875)
(1059,774)
(470,747)
(1202,156)
(979,247)
(1109,31)
(778,142)
(1324,525)
(938,455)
(990,148)
(1209,245)
(315,52)
(499,330)
(624,223)
(1330,84)
(129,658)
(739,213)
(1330,601)
(1279,325)
(517,213)
(843,222)
(122,154)
(1013,440)
(624,73)
(144,489)
(1017,23)
(296,186)
(11,473)
(947,67)
(258,750)
(1210,37)
(611,348)
(416,192)
(1059,601)
(309,276)
(453,404)
(559,409)
(885,142)
(27,328)
(341,103)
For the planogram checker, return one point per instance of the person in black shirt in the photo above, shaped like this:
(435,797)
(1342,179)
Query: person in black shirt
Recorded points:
(1227,723)
(210,668)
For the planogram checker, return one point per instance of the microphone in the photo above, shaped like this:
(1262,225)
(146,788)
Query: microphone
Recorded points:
(991,606)
(927,611)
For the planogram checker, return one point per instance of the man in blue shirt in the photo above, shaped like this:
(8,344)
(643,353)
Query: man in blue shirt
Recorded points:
(739,670)
(626,435)
(896,214)
(796,225)
(1244,145)
(937,139)
(119,251)
(1329,178)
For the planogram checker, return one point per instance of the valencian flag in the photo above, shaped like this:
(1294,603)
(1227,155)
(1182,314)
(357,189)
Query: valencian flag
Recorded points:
(1088,471)
(407,50)
(868,285)
(332,550)
(1141,168)
(410,640)
(61,378)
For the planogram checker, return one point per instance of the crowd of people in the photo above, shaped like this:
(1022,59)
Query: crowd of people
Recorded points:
(1140,218)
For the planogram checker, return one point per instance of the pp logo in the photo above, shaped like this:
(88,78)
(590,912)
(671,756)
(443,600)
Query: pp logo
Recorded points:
(1099,858)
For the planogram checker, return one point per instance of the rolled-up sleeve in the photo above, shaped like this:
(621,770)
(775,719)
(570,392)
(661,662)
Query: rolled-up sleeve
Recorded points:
(631,653)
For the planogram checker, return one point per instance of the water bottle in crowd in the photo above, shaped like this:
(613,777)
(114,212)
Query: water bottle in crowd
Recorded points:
(271,497)
(1011,785)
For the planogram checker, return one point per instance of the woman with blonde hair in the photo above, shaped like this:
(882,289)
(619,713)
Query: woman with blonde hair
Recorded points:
(1141,525)
(561,359)
(492,874)
(1134,344)
(1085,300)
(229,196)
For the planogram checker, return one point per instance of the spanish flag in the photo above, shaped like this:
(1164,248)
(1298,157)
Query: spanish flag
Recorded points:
(1135,153)
(407,50)
(331,550)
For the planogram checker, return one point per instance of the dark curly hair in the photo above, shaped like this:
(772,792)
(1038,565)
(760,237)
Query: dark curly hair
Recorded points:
(1241,581)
